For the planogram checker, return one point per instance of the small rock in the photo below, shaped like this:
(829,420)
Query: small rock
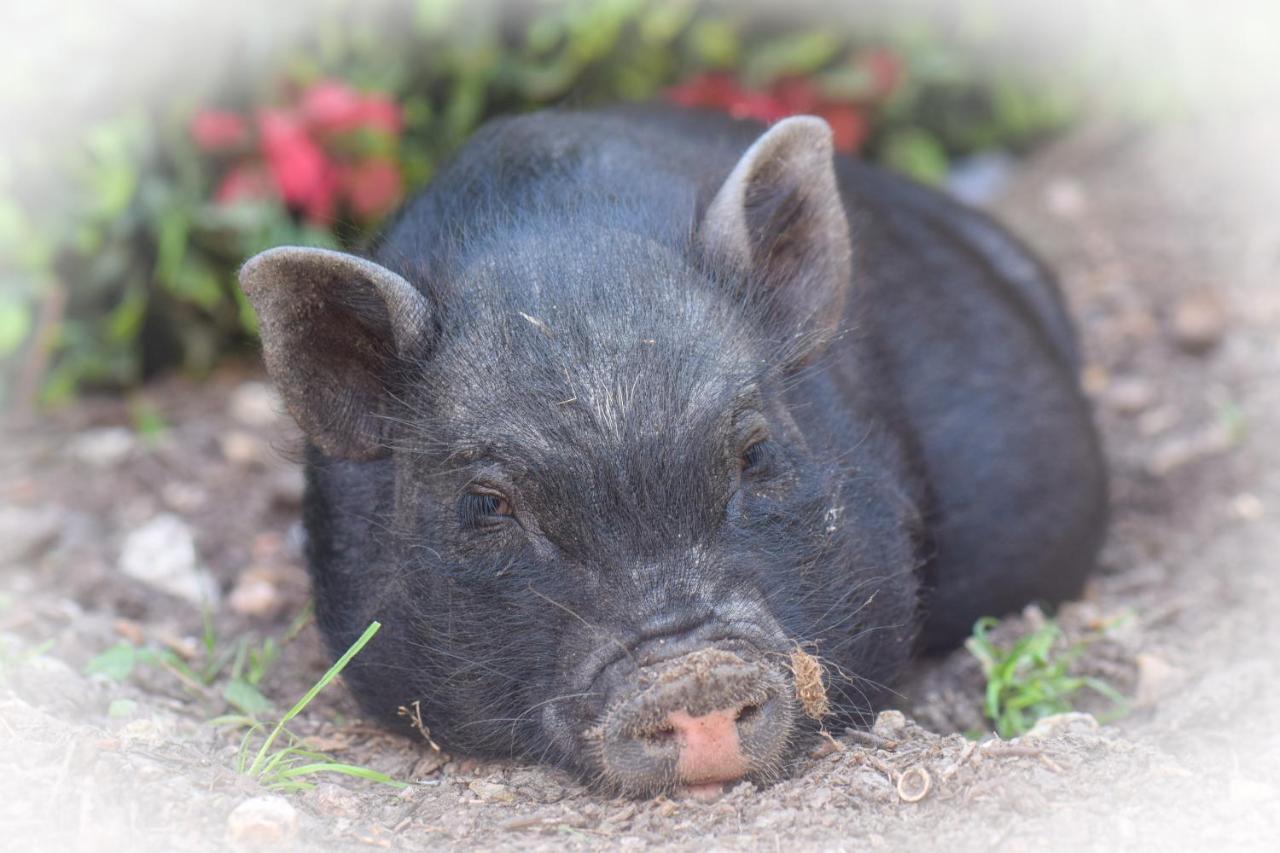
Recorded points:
(45,681)
(257,593)
(1157,678)
(255,404)
(889,724)
(1130,395)
(162,554)
(262,821)
(1056,725)
(333,800)
(25,533)
(427,765)
(1157,421)
(1094,379)
(105,447)
(244,449)
(491,791)
(1248,506)
(1065,198)
(979,178)
(1198,323)
(287,486)
(1181,450)
(183,497)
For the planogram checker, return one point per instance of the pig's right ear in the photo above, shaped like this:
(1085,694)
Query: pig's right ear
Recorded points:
(334,330)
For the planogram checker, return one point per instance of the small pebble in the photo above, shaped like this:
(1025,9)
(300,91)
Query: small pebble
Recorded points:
(261,822)
(1198,323)
(889,724)
(244,449)
(257,593)
(333,800)
(162,554)
(1157,678)
(1056,725)
(1130,395)
(105,447)
(1248,506)
(255,404)
(287,486)
(491,791)
(183,497)
(1065,198)
(25,533)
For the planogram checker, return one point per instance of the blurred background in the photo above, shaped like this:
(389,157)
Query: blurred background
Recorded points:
(148,148)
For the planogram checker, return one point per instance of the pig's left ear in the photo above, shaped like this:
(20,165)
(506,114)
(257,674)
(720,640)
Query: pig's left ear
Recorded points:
(779,217)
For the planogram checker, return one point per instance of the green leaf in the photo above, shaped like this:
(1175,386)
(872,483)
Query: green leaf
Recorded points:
(796,53)
(714,42)
(916,153)
(246,698)
(256,767)
(15,325)
(116,663)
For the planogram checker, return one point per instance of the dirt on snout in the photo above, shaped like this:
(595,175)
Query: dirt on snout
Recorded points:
(1169,247)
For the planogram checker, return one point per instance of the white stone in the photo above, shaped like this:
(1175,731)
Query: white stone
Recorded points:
(262,821)
(255,404)
(162,554)
(105,447)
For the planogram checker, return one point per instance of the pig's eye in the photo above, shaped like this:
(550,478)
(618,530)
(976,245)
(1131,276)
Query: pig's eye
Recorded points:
(755,456)
(480,508)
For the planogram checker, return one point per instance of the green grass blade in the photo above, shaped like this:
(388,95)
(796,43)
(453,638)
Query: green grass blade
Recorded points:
(330,675)
(345,769)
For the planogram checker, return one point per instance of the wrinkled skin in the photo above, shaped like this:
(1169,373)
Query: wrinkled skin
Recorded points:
(619,417)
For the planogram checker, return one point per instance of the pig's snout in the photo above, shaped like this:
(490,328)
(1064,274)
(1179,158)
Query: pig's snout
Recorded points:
(696,722)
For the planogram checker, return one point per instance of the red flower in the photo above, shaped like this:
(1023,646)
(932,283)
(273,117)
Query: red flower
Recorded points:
(848,125)
(218,130)
(301,171)
(787,96)
(330,106)
(334,107)
(245,182)
(380,113)
(372,187)
(885,70)
(714,89)
(796,94)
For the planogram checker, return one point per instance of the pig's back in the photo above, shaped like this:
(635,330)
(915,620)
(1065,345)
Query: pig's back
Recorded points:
(970,335)
(972,339)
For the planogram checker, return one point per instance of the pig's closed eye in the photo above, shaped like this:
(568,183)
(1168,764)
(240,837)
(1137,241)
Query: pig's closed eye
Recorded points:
(480,508)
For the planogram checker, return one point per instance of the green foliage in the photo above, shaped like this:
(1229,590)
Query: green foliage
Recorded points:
(240,665)
(14,658)
(116,262)
(1032,678)
(289,767)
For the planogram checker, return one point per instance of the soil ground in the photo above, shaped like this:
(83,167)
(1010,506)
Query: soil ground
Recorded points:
(1168,243)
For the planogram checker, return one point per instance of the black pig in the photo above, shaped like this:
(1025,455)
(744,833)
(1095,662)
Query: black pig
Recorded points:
(628,406)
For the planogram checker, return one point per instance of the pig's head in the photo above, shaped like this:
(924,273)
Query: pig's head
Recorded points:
(584,508)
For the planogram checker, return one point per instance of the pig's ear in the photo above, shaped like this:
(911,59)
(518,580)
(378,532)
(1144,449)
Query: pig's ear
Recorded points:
(334,330)
(779,216)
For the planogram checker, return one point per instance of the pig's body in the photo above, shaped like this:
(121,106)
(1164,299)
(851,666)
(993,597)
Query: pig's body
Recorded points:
(929,457)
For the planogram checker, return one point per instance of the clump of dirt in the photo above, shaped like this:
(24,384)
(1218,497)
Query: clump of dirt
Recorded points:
(121,750)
